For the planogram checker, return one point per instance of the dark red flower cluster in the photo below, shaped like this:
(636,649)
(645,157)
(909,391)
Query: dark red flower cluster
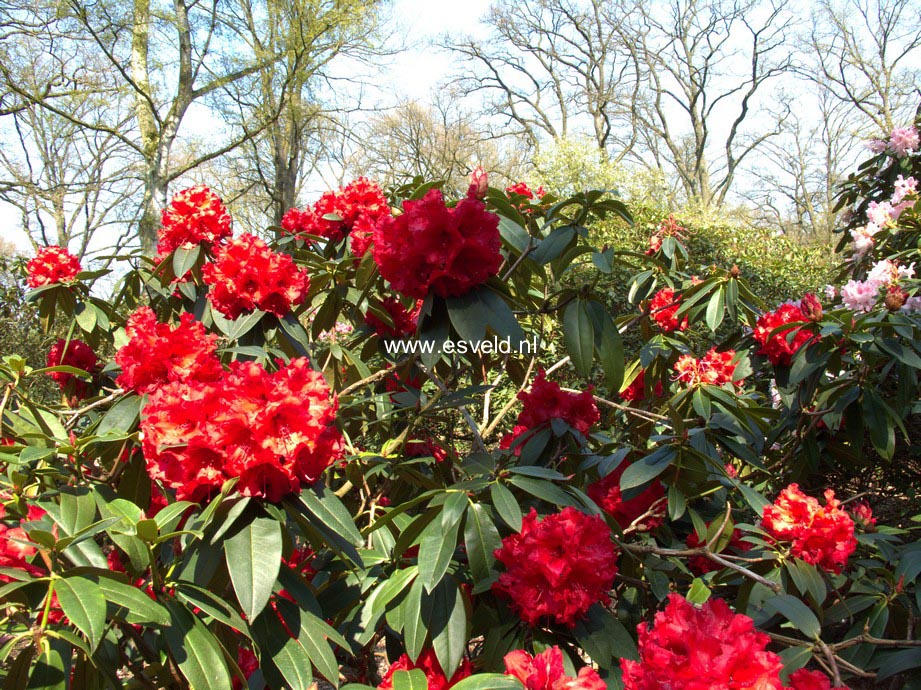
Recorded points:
(424,447)
(434,674)
(607,495)
(75,354)
(636,391)
(194,216)
(357,207)
(823,536)
(810,680)
(663,308)
(272,430)
(546,401)
(247,275)
(705,648)
(404,320)
(433,248)
(779,344)
(701,565)
(156,354)
(545,671)
(714,368)
(557,567)
(15,552)
(524,190)
(52,265)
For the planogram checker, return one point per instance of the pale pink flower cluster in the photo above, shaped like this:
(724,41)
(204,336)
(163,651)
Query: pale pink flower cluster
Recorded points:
(341,328)
(903,140)
(859,295)
(863,238)
(904,187)
(831,292)
(883,214)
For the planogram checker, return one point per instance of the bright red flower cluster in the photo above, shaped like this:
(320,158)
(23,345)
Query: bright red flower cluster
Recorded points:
(52,265)
(156,354)
(358,205)
(15,552)
(545,671)
(524,190)
(75,354)
(705,648)
(636,391)
(433,248)
(272,430)
(663,308)
(434,674)
(823,536)
(194,216)
(810,680)
(780,345)
(404,320)
(557,567)
(546,401)
(247,275)
(607,494)
(714,368)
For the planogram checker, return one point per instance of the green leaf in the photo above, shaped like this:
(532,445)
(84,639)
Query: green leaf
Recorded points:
(648,468)
(184,259)
(544,490)
(807,579)
(417,615)
(410,680)
(236,328)
(326,507)
(311,634)
(579,336)
(288,656)
(896,662)
(698,592)
(553,245)
(482,539)
(49,672)
(715,310)
(253,561)
(449,626)
(85,315)
(488,681)
(196,650)
(122,417)
(435,551)
(131,604)
(797,613)
(84,604)
(505,504)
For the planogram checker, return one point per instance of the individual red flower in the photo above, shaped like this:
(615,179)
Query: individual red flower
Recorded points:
(862,515)
(522,189)
(434,674)
(663,308)
(274,431)
(823,536)
(156,354)
(546,401)
(361,236)
(75,354)
(479,183)
(195,216)
(714,368)
(404,320)
(248,663)
(706,648)
(247,275)
(655,244)
(557,567)
(701,565)
(636,390)
(545,671)
(15,552)
(52,265)
(297,221)
(810,680)
(779,344)
(606,493)
(336,213)
(431,248)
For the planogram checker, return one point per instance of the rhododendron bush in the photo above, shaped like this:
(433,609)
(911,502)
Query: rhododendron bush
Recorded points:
(251,478)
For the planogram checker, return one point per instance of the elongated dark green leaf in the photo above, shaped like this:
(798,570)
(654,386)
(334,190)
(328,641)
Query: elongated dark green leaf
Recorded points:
(648,468)
(449,625)
(797,613)
(553,245)
(49,672)
(579,336)
(547,491)
(131,604)
(310,632)
(410,680)
(324,505)
(195,650)
(122,417)
(506,505)
(435,551)
(184,259)
(286,653)
(715,310)
(84,604)
(482,539)
(417,614)
(212,605)
(488,681)
(253,561)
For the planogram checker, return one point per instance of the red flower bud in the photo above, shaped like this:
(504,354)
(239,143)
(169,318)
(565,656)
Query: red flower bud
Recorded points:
(811,307)
(479,184)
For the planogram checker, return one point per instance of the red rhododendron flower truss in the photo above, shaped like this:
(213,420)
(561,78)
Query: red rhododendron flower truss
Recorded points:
(404,320)
(361,236)
(247,275)
(433,248)
(274,431)
(52,265)
(156,354)
(663,308)
(607,494)
(194,216)
(810,680)
(298,221)
(545,401)
(545,672)
(434,674)
(557,567)
(823,536)
(636,390)
(779,346)
(701,565)
(75,354)
(714,368)
(706,648)
(524,190)
(15,552)
(361,202)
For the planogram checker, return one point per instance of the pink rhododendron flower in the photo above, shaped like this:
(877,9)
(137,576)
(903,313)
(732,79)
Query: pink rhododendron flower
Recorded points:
(902,188)
(903,140)
(859,296)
